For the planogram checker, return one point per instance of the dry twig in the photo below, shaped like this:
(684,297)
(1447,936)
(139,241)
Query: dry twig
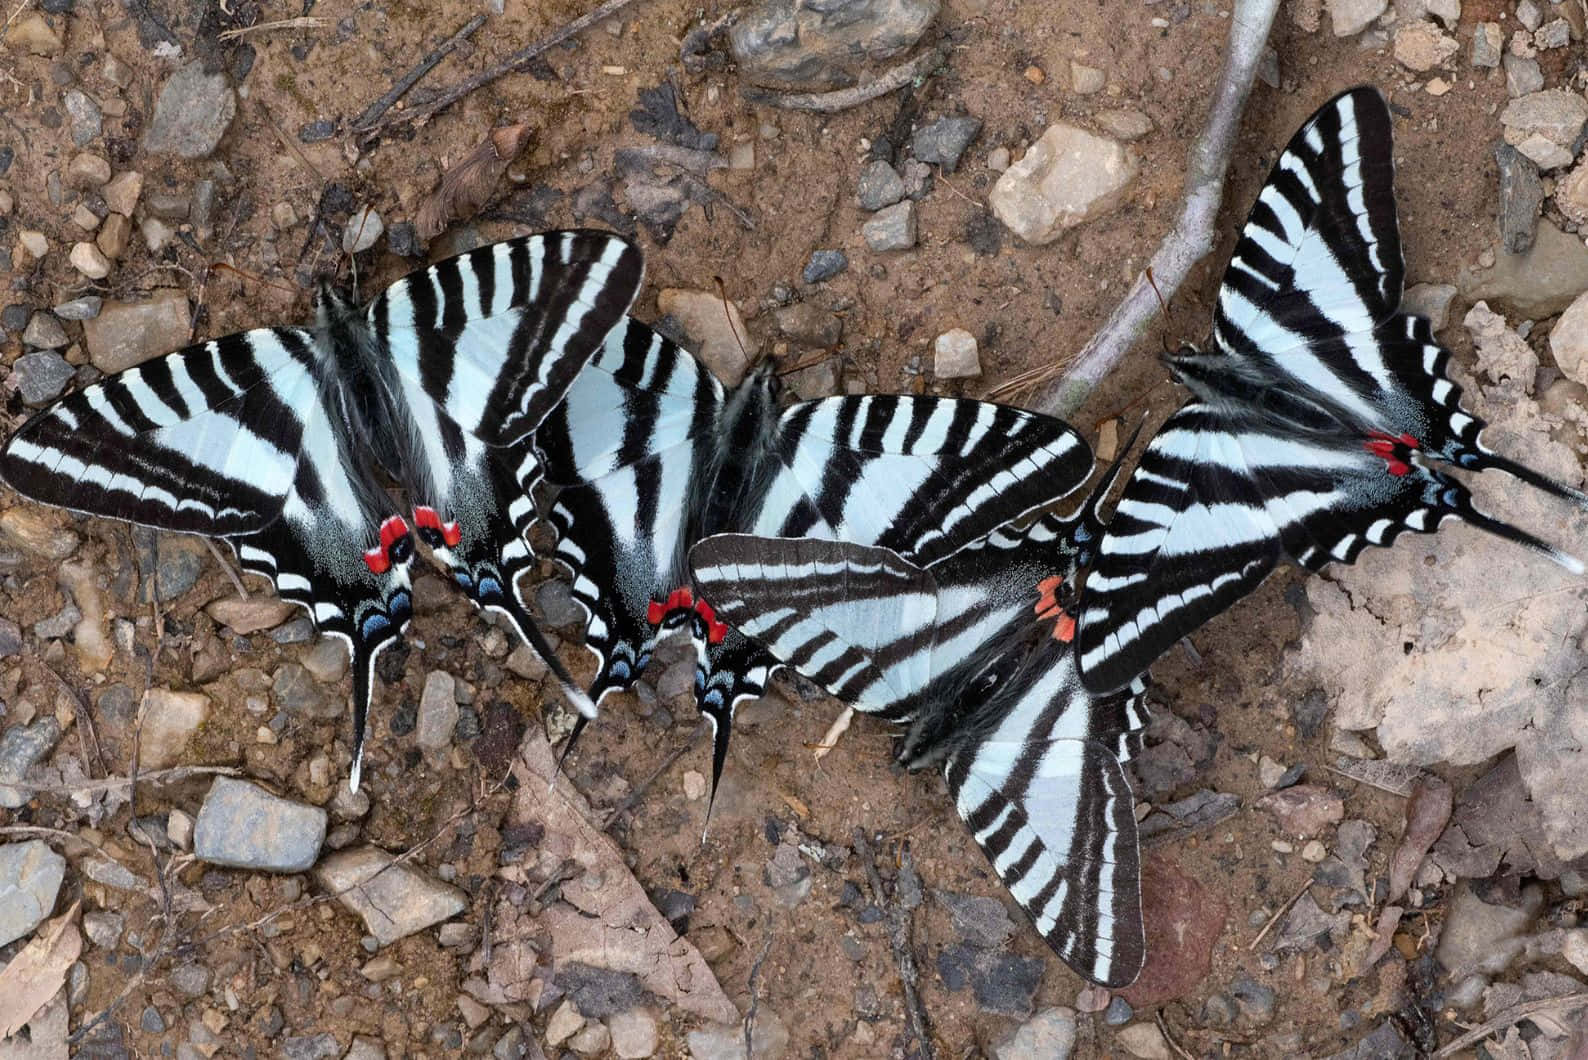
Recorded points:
(1292,900)
(301,22)
(513,63)
(844,98)
(1512,1016)
(1192,236)
(366,120)
(899,935)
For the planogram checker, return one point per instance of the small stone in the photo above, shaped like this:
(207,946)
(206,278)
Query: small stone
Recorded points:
(89,260)
(84,114)
(1314,851)
(880,185)
(1521,196)
(116,72)
(694,784)
(156,233)
(243,826)
(1066,178)
(917,176)
(283,216)
(171,205)
(191,980)
(318,131)
(1431,300)
(104,928)
(1481,937)
(22,747)
(365,1048)
(245,615)
(809,325)
(393,898)
(741,156)
(1556,114)
(1536,285)
(1144,1040)
(592,1038)
(1421,46)
(714,327)
(943,141)
(87,170)
(438,711)
(192,113)
(59,624)
(1522,76)
(1528,14)
(114,235)
(998,159)
(1086,80)
(151,1021)
(1118,1012)
(30,879)
(1256,1001)
(1487,45)
(1556,33)
(310,1047)
(563,1024)
(363,230)
(129,333)
(955,355)
(113,874)
(1126,125)
(635,1034)
(1305,809)
(85,308)
(179,829)
(801,46)
(296,692)
(1048,1035)
(32,34)
(169,721)
(1568,340)
(1544,152)
(892,228)
(769,1042)
(33,243)
(1350,17)
(327,661)
(824,265)
(44,332)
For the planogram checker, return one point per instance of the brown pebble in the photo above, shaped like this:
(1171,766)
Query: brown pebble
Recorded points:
(1035,75)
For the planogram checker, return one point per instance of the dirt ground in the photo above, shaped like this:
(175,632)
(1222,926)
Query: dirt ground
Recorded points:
(300,973)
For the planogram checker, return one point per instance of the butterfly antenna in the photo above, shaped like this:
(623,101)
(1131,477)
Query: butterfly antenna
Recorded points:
(253,277)
(727,314)
(1163,308)
(1091,519)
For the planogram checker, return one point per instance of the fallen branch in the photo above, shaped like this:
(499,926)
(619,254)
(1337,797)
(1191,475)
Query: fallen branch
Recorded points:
(1512,1016)
(844,98)
(1191,239)
(899,935)
(372,113)
(512,64)
(160,776)
(1292,900)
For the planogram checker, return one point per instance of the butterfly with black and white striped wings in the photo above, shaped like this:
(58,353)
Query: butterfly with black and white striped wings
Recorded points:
(653,454)
(973,653)
(1319,416)
(276,439)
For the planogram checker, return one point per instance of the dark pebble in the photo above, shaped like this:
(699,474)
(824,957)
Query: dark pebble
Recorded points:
(850,897)
(241,63)
(315,131)
(403,240)
(405,718)
(271,1021)
(317,1047)
(15,317)
(984,234)
(1118,1013)
(57,7)
(7,156)
(468,726)
(598,992)
(871,914)
(1001,981)
(1291,777)
(824,265)
(943,141)
(676,906)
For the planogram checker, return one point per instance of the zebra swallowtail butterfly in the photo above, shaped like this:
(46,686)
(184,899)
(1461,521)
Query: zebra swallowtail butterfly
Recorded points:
(1318,409)
(275,439)
(653,455)
(972,651)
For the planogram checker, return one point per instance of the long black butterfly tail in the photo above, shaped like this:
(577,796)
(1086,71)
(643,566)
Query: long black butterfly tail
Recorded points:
(573,737)
(1482,460)
(364,655)
(1459,503)
(527,628)
(721,718)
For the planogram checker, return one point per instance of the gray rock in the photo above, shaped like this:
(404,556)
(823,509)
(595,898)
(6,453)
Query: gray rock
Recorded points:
(310,1047)
(85,308)
(789,44)
(1431,300)
(1256,1001)
(15,316)
(104,928)
(1556,116)
(1535,285)
(943,141)
(1556,33)
(129,333)
(243,826)
(44,332)
(295,691)
(1521,196)
(978,920)
(1002,982)
(1522,76)
(113,874)
(85,116)
(10,638)
(635,1034)
(768,1041)
(1487,45)
(788,875)
(955,355)
(151,1021)
(880,185)
(59,624)
(824,265)
(40,377)
(809,325)
(1049,1035)
(30,878)
(557,605)
(1482,937)
(1118,1013)
(1306,924)
(192,114)
(363,230)
(21,748)
(917,176)
(600,992)
(313,132)
(1066,178)
(438,711)
(191,980)
(1350,17)
(893,228)
(394,899)
(181,559)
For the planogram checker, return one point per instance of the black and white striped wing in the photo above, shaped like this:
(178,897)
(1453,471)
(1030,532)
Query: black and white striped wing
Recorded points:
(495,336)
(203,440)
(625,447)
(1332,452)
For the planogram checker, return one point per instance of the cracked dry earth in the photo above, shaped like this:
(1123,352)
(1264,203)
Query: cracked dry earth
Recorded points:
(1363,795)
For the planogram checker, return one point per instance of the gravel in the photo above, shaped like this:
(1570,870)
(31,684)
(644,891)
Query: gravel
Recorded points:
(943,141)
(824,265)
(85,308)
(21,748)
(880,185)
(893,228)
(394,899)
(243,826)
(438,711)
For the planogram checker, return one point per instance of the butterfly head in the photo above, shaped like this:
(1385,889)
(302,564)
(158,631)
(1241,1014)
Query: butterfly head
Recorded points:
(330,307)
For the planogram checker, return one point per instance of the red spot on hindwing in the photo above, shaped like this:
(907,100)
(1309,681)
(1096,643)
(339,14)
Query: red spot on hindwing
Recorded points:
(715,631)
(452,533)
(392,530)
(376,560)
(426,518)
(1064,629)
(1392,450)
(1048,606)
(683,600)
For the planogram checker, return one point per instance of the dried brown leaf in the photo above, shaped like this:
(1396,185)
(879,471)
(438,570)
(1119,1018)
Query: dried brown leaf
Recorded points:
(1383,936)
(46,1034)
(36,974)
(469,184)
(1427,813)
